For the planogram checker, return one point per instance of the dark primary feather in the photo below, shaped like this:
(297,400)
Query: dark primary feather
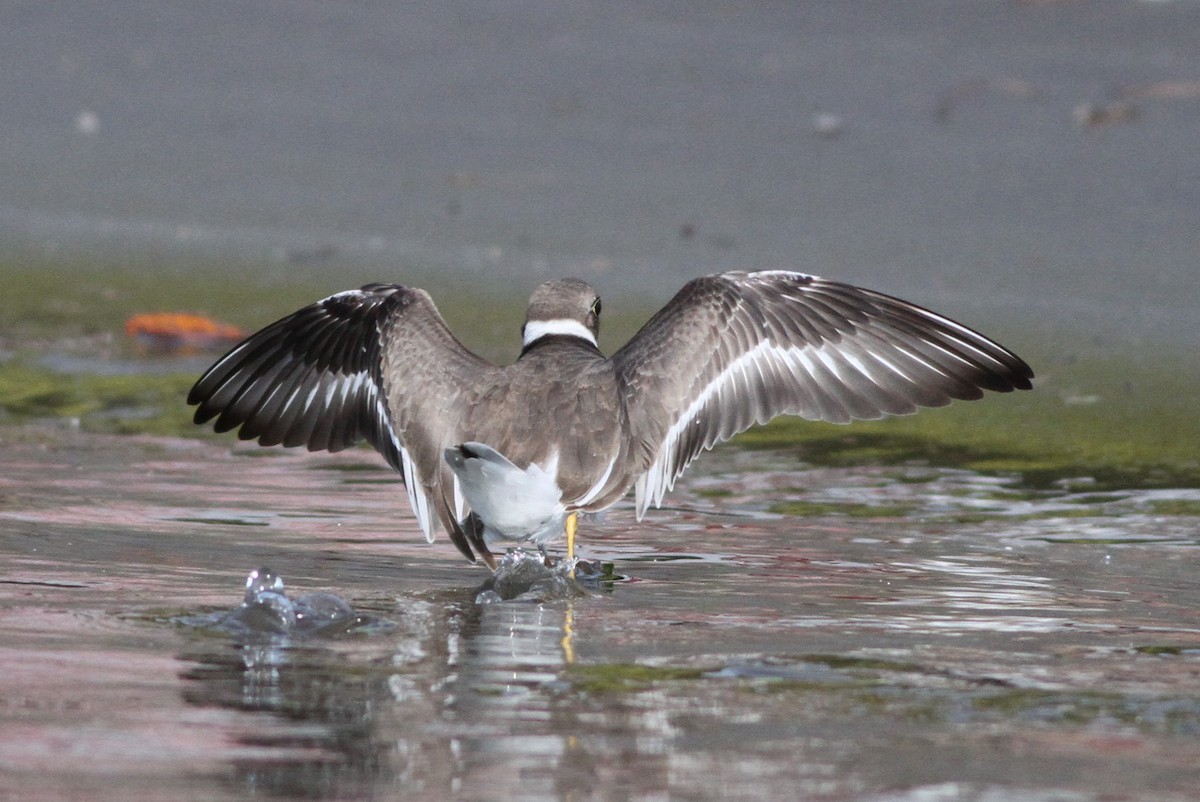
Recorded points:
(737,349)
(316,379)
(310,379)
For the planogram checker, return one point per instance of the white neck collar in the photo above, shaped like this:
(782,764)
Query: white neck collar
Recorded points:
(537,329)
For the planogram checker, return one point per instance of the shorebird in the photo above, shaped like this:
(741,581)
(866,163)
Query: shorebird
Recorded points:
(513,453)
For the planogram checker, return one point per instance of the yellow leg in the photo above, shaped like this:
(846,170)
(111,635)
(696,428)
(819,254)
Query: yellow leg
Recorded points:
(571,522)
(568,638)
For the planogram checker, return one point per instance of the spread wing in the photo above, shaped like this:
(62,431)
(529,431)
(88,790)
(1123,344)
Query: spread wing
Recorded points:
(376,364)
(737,349)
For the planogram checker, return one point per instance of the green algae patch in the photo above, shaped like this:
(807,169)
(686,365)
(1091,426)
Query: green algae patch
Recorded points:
(1097,419)
(797,509)
(714,492)
(1170,714)
(78,311)
(137,404)
(1168,651)
(1175,506)
(627,677)
(848,662)
(45,304)
(56,299)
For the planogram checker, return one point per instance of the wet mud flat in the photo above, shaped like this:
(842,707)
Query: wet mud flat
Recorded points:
(780,631)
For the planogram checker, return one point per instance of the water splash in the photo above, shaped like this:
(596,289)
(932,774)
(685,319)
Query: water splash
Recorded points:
(267,611)
(532,577)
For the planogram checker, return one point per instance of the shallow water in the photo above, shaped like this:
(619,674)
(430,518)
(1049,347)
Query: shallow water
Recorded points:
(917,633)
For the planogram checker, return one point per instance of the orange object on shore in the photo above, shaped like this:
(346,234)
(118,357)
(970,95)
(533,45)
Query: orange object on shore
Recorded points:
(180,331)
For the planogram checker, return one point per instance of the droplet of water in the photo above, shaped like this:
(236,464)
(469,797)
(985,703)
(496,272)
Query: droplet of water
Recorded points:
(260,581)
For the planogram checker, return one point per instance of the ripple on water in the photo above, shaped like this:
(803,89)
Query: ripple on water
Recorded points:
(929,496)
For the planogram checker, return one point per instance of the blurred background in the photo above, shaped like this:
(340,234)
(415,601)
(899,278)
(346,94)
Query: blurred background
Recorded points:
(1033,167)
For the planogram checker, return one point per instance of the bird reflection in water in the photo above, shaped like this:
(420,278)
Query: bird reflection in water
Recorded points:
(456,697)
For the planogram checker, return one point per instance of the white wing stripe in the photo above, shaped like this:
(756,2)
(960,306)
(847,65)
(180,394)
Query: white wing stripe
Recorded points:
(418,499)
(312,394)
(830,360)
(749,374)
(291,398)
(919,359)
(460,503)
(785,343)
(659,478)
(416,495)
(595,489)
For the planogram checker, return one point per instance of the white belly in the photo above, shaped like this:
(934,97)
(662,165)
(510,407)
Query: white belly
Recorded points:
(514,504)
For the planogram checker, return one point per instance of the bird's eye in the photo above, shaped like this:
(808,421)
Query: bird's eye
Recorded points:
(596,307)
